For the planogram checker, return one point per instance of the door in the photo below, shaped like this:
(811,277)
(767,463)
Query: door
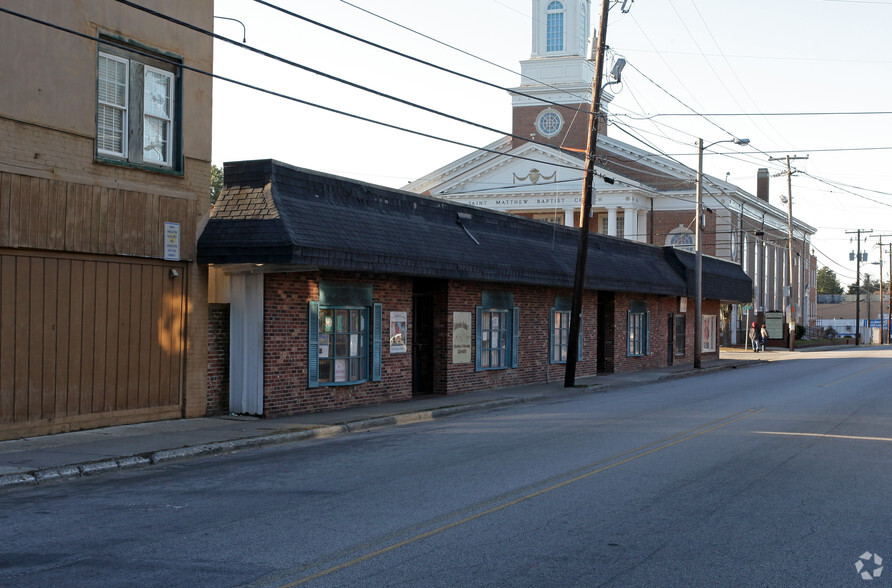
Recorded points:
(670,339)
(424,294)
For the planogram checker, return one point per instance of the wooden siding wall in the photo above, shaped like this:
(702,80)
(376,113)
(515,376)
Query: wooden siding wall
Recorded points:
(82,338)
(41,213)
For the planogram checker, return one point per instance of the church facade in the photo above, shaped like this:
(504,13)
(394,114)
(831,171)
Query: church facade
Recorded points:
(536,172)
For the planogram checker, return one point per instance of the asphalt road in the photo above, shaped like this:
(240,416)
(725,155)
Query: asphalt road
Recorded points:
(777,475)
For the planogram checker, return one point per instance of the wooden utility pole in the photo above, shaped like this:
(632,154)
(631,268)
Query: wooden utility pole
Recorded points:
(586,212)
(858,286)
(883,324)
(791,298)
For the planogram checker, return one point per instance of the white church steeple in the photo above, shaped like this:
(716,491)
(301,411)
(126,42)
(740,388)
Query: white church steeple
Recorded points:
(556,81)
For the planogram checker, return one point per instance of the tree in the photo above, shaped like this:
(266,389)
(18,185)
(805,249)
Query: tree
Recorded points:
(216,183)
(827,282)
(868,286)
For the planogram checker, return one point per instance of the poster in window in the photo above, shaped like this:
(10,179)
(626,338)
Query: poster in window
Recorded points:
(354,345)
(327,323)
(708,332)
(324,343)
(398,332)
(461,337)
(340,370)
(495,321)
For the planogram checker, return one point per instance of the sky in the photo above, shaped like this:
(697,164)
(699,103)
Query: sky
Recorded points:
(798,77)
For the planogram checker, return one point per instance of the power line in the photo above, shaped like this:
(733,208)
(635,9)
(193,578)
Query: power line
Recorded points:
(412,58)
(827,113)
(463,52)
(180,65)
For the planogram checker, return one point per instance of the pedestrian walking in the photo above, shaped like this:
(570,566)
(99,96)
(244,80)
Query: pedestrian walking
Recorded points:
(754,337)
(763,337)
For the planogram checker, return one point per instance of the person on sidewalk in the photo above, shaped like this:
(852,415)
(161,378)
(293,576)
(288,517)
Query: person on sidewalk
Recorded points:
(763,337)
(754,337)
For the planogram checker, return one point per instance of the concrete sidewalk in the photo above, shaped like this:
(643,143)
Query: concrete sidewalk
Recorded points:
(37,460)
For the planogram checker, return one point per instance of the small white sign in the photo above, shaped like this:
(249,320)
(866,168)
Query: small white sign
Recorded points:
(172,241)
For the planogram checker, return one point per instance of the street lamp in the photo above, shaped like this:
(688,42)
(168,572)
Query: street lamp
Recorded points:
(698,284)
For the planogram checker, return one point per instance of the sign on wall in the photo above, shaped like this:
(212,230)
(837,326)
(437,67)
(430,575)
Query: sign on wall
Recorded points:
(461,337)
(172,241)
(397,332)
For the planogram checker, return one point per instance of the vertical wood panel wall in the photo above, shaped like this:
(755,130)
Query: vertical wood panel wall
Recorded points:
(81,337)
(41,213)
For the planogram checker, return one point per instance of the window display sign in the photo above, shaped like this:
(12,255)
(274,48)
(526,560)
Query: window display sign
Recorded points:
(397,332)
(461,337)
(708,333)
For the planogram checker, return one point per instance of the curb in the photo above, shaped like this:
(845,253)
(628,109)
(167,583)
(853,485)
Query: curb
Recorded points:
(96,468)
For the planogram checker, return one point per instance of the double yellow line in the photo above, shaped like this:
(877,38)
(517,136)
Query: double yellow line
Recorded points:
(599,467)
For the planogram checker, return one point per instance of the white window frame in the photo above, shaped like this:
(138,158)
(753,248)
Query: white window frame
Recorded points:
(554,27)
(167,119)
(136,114)
(125,109)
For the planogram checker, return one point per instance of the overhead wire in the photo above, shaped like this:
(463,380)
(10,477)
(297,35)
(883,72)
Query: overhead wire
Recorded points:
(110,42)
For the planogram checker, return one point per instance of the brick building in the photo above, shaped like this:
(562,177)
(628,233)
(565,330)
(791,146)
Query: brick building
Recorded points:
(341,293)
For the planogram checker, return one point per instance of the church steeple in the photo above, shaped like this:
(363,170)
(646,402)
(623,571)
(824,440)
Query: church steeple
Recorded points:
(557,79)
(560,27)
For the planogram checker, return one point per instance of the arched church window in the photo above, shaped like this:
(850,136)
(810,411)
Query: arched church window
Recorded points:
(554,27)
(681,238)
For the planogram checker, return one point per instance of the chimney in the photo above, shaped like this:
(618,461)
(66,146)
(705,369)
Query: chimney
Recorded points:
(762,184)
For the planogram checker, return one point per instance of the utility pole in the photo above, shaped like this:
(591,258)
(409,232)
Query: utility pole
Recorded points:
(858,286)
(586,212)
(792,320)
(883,323)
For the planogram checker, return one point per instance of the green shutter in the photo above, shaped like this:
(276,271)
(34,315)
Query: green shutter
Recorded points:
(477,340)
(551,341)
(647,333)
(313,346)
(376,342)
(628,333)
(515,335)
(579,348)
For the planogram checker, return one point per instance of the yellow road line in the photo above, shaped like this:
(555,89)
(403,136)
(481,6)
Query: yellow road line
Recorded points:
(643,453)
(856,437)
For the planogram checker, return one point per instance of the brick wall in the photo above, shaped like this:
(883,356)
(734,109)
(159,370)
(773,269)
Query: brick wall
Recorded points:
(218,360)
(534,304)
(286,319)
(573,134)
(286,316)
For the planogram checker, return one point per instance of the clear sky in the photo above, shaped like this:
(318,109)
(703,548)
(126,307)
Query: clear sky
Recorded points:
(756,69)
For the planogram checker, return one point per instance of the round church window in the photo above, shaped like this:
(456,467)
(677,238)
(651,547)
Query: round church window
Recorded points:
(549,123)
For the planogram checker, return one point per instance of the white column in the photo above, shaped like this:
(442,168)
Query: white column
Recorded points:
(568,217)
(630,224)
(642,225)
(611,221)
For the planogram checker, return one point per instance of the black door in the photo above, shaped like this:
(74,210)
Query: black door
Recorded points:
(423,305)
(670,343)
